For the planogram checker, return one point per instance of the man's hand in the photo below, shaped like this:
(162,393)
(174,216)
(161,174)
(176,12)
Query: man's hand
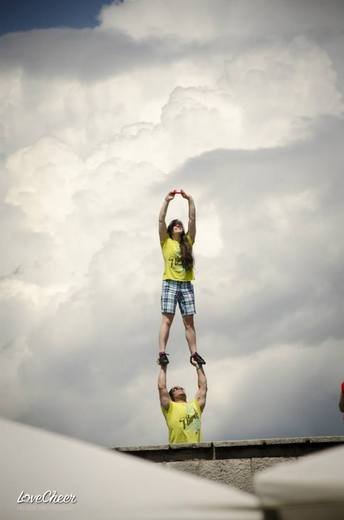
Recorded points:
(170,196)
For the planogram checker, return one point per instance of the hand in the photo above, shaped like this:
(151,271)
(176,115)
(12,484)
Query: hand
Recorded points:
(170,196)
(194,363)
(185,195)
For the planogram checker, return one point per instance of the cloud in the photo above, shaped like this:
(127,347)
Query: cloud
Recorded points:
(201,21)
(286,400)
(156,19)
(91,53)
(279,269)
(97,125)
(264,97)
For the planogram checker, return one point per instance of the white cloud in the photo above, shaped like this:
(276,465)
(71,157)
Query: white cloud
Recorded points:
(281,89)
(156,19)
(89,150)
(42,182)
(276,393)
(209,232)
(265,98)
(201,21)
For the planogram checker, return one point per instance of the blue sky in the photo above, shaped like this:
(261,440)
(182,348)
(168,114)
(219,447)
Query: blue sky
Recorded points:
(23,15)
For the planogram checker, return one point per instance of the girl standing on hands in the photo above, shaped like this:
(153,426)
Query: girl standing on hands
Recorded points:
(176,248)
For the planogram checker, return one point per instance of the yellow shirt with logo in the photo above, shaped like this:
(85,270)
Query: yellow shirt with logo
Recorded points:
(183,421)
(173,268)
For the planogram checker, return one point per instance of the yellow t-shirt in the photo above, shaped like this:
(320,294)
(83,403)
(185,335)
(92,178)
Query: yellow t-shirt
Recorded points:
(173,269)
(183,421)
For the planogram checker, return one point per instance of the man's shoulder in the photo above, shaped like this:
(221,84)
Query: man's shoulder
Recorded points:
(195,405)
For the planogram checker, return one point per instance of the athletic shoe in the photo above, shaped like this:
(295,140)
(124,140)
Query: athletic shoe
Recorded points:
(196,358)
(163,359)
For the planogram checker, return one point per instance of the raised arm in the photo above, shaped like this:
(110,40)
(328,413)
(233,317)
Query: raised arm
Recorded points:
(162,216)
(163,393)
(201,394)
(341,399)
(192,215)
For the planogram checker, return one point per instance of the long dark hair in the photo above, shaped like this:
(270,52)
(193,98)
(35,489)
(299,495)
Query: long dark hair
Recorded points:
(185,246)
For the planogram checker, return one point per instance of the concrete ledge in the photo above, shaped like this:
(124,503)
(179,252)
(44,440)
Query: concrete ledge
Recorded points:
(231,462)
(289,447)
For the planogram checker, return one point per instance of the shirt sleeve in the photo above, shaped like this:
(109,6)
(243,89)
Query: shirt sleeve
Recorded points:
(166,411)
(197,407)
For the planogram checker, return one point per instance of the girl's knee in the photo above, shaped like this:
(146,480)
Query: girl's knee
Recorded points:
(167,319)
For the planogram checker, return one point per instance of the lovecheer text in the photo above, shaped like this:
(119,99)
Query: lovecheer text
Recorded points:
(48,497)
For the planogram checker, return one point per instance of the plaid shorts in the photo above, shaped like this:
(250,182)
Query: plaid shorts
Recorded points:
(181,292)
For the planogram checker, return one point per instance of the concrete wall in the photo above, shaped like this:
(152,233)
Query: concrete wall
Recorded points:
(232,462)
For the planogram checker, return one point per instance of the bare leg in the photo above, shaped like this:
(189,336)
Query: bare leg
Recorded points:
(190,333)
(166,322)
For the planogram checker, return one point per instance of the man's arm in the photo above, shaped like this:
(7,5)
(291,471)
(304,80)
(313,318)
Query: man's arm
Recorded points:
(201,394)
(163,393)
(192,215)
(162,216)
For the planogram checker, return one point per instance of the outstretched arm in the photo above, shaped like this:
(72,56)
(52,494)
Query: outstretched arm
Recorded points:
(163,393)
(341,400)
(162,216)
(201,394)
(192,215)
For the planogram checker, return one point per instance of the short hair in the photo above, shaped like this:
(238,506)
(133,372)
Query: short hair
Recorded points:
(172,390)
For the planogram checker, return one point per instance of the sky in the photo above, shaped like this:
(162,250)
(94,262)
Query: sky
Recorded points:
(23,15)
(241,105)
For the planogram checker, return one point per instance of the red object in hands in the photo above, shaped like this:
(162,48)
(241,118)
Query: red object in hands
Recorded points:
(343,387)
(177,191)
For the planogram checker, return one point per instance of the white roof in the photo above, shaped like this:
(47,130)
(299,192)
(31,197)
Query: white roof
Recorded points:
(107,484)
(310,487)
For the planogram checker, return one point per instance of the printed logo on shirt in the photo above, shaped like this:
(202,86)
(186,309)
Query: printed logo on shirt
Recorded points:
(191,421)
(176,263)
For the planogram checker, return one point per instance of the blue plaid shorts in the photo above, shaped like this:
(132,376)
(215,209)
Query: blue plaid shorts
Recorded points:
(181,292)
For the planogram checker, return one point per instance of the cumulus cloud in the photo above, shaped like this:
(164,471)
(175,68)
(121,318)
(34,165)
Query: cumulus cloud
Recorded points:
(158,19)
(96,126)
(202,21)
(290,398)
(275,204)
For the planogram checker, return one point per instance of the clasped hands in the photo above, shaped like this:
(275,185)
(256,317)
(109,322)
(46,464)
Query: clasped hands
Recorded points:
(171,194)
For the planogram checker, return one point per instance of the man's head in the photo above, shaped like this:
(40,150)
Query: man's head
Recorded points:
(177,394)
